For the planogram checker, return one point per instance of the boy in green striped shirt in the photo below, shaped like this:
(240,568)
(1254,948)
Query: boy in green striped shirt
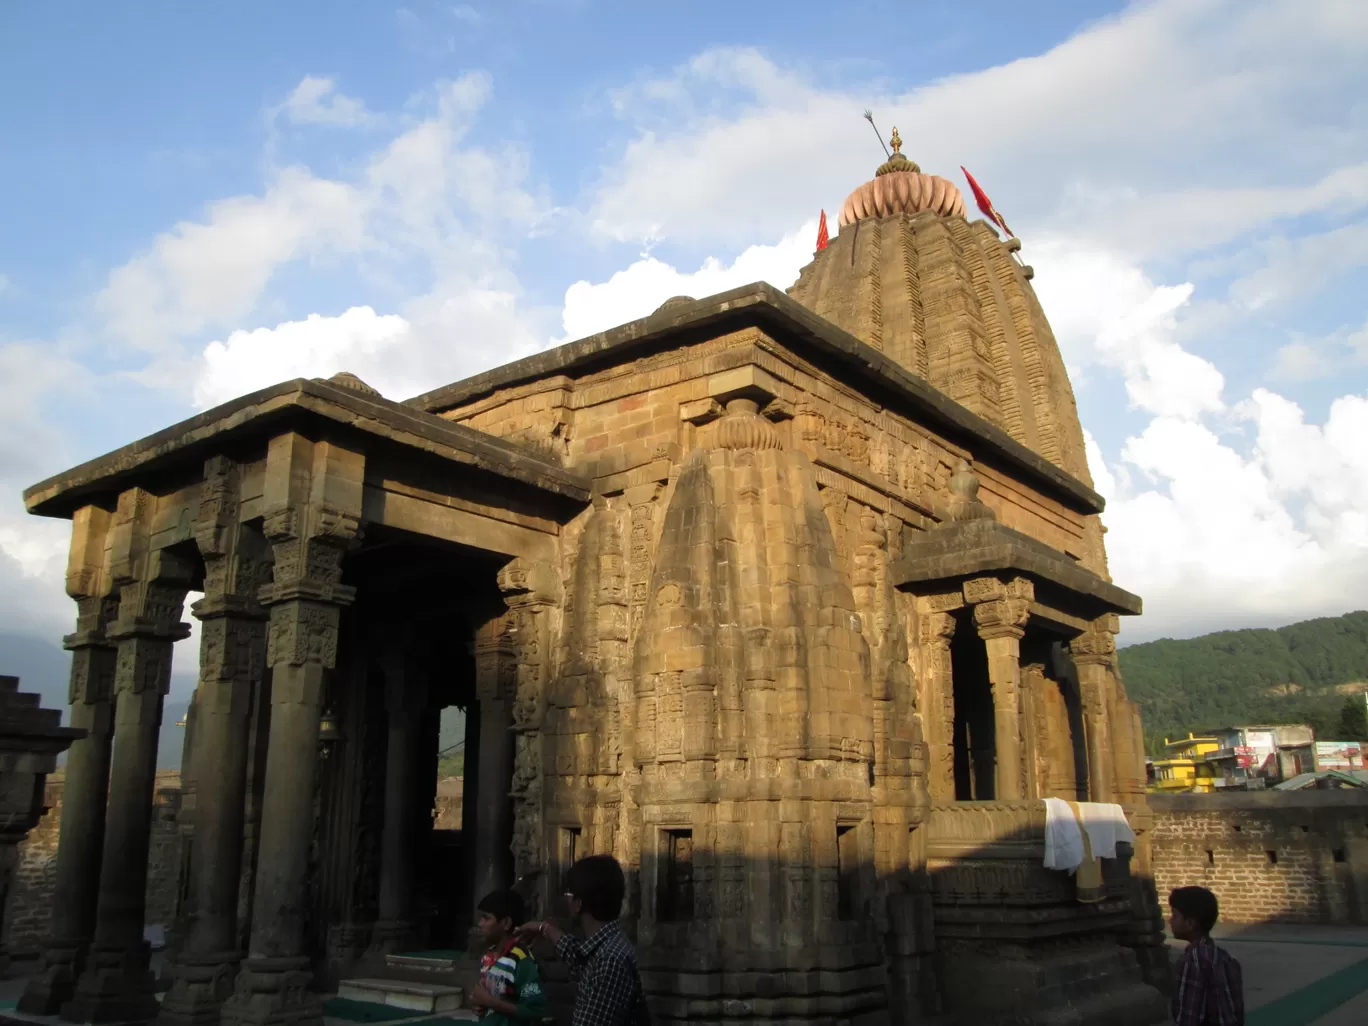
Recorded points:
(509,992)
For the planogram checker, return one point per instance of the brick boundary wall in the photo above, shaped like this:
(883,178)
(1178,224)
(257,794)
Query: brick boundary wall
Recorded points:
(1272,856)
(29,907)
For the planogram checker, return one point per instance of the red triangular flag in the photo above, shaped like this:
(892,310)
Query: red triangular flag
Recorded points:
(822,232)
(985,204)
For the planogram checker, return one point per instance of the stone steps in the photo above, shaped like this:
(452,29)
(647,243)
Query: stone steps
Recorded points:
(419,998)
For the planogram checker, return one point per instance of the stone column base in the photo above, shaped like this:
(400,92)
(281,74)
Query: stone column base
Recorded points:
(390,937)
(116,986)
(273,992)
(55,983)
(200,985)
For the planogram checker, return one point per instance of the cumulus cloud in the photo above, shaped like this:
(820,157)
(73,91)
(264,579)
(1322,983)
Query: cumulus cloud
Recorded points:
(315,347)
(316,101)
(1215,537)
(640,288)
(428,219)
(33,551)
(1307,358)
(209,274)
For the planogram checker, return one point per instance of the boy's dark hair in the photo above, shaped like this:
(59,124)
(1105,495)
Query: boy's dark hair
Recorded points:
(600,886)
(1197,904)
(504,905)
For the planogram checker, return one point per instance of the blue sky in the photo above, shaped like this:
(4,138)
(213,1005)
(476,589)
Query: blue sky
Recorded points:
(198,199)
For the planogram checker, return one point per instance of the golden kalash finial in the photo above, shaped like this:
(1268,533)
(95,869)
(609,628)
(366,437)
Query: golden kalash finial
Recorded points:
(896,161)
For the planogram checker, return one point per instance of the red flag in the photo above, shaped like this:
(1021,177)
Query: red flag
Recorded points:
(985,204)
(822,232)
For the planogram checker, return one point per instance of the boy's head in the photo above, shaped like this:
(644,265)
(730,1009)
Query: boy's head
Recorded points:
(596,886)
(1193,912)
(500,912)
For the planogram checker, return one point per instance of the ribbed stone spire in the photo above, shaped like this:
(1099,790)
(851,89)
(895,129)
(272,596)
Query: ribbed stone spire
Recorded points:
(909,275)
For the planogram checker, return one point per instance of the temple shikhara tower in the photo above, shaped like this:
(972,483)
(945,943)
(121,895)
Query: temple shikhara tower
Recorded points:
(797,604)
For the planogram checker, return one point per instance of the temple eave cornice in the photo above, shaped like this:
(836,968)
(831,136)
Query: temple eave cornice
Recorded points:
(291,404)
(954,552)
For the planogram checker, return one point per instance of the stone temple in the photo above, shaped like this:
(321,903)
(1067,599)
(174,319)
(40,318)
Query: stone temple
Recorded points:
(797,604)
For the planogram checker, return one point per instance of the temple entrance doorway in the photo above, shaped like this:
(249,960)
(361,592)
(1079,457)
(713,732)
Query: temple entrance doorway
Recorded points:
(974,729)
(402,840)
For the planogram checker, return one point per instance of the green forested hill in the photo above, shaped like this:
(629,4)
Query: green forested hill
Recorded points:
(1294,674)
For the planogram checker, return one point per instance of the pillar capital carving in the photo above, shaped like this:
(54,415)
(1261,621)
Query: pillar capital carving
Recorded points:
(152,590)
(936,628)
(1001,608)
(309,543)
(991,589)
(1096,647)
(529,582)
(237,559)
(1002,618)
(311,499)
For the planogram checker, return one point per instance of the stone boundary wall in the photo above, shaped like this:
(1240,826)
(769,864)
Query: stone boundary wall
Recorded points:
(28,909)
(1268,856)
(447,815)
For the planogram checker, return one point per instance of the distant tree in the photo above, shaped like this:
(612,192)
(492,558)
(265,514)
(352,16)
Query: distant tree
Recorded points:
(1353,720)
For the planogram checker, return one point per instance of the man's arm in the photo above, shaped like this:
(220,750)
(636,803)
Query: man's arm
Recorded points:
(570,950)
(607,993)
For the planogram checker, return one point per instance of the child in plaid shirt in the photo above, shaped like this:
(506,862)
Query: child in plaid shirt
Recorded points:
(1209,988)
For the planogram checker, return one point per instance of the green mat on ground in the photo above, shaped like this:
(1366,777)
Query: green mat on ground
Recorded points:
(1311,1002)
(365,1011)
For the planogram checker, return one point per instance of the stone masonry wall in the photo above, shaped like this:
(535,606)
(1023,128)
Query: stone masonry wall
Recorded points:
(26,921)
(1272,856)
(447,815)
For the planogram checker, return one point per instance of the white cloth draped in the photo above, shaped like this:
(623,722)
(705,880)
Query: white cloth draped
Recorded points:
(1105,823)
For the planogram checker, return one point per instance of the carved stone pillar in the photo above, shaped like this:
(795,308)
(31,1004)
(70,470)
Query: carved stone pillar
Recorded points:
(1094,654)
(530,588)
(1000,613)
(232,661)
(495,670)
(405,700)
(117,984)
(937,628)
(86,786)
(312,505)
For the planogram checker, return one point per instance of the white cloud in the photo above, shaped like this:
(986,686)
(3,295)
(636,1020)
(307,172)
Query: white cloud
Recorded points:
(316,347)
(451,335)
(4,283)
(1219,539)
(1105,310)
(642,287)
(1304,359)
(32,550)
(316,101)
(205,275)
(428,220)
